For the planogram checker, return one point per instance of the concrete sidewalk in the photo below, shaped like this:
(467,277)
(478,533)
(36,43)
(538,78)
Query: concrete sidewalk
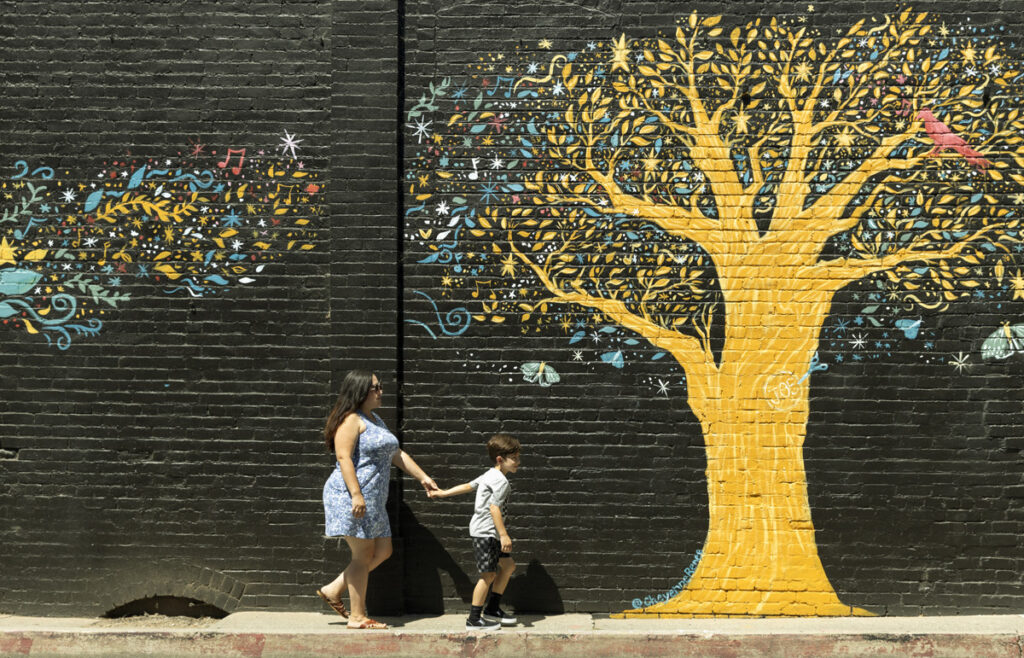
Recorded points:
(282,634)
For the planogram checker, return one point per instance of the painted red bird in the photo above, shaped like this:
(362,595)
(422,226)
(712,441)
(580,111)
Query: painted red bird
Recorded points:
(945,138)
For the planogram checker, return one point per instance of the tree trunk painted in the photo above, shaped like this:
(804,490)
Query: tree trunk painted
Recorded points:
(760,557)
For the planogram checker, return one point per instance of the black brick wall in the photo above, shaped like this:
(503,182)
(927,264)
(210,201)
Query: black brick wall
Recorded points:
(178,453)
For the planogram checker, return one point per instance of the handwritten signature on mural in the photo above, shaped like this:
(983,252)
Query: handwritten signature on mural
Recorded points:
(648,601)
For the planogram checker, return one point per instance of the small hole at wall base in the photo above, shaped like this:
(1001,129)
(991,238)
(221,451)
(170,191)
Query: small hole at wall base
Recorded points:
(170,606)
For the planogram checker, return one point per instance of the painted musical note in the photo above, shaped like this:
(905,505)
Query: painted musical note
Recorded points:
(32,221)
(277,193)
(103,261)
(498,82)
(237,169)
(475,174)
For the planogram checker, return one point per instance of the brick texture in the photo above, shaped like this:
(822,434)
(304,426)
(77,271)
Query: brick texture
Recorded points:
(176,451)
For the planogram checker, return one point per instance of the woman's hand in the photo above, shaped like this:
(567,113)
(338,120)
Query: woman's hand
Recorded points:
(358,506)
(429,485)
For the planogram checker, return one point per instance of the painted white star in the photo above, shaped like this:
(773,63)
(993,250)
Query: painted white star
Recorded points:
(532,68)
(442,208)
(663,387)
(859,340)
(69,196)
(421,128)
(289,143)
(960,361)
(558,89)
(497,163)
(236,245)
(577,355)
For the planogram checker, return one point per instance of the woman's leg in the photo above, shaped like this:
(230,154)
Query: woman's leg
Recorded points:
(356,573)
(381,551)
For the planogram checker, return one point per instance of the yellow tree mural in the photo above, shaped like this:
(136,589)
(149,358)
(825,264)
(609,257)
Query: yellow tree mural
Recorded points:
(712,192)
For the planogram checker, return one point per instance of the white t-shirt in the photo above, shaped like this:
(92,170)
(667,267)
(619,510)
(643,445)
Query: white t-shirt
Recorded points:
(492,488)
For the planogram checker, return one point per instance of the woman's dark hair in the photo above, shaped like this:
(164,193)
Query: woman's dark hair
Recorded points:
(354,389)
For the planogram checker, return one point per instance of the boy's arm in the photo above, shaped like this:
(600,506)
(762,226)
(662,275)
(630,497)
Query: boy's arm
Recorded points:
(454,491)
(499,525)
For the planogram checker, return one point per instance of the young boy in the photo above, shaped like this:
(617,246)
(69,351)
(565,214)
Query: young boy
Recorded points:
(491,543)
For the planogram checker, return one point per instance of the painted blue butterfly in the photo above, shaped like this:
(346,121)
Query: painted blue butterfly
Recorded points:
(909,327)
(539,372)
(614,358)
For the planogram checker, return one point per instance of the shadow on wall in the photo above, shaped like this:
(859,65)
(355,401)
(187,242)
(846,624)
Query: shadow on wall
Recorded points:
(531,590)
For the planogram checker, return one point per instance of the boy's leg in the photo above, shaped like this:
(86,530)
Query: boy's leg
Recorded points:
(506,566)
(492,609)
(485,550)
(481,589)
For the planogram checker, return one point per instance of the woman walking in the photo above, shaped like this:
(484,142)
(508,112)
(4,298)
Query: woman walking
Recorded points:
(356,493)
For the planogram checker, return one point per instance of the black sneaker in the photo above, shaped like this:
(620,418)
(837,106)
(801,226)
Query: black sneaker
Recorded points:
(482,625)
(499,616)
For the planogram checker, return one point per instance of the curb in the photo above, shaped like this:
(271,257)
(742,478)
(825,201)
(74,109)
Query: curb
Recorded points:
(503,644)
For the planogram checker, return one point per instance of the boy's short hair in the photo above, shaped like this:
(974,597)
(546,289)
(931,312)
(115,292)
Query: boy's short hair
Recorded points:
(502,445)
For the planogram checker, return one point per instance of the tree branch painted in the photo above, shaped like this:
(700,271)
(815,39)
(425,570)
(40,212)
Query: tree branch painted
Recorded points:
(729,182)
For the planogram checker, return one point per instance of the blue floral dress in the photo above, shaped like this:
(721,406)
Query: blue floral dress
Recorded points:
(374,450)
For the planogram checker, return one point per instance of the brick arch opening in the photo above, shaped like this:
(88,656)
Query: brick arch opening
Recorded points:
(171,588)
(170,606)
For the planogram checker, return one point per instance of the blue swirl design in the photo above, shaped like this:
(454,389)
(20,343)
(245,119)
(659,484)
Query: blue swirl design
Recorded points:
(61,302)
(457,318)
(66,305)
(46,173)
(445,253)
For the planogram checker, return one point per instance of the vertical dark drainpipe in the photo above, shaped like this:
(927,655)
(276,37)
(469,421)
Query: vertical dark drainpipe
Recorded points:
(400,208)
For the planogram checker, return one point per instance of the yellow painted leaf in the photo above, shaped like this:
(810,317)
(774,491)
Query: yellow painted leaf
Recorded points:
(219,242)
(281,211)
(261,245)
(168,270)
(444,174)
(291,243)
(307,247)
(301,222)
(497,319)
(300,174)
(241,191)
(163,254)
(35,254)
(227,233)
(29,328)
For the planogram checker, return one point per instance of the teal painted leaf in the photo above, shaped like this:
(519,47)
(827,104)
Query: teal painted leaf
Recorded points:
(6,310)
(14,282)
(93,200)
(136,178)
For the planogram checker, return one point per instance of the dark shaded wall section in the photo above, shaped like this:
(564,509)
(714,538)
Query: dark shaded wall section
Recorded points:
(176,452)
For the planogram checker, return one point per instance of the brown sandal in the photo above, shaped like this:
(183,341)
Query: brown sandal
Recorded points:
(338,606)
(370,624)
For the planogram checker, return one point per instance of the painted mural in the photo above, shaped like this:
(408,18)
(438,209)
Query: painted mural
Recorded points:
(699,199)
(74,248)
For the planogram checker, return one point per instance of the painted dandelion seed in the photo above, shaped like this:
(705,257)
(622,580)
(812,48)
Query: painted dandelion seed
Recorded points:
(656,187)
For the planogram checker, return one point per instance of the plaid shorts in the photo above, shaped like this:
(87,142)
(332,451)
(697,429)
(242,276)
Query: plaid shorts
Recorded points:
(487,551)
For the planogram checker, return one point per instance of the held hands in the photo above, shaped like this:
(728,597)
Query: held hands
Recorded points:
(506,543)
(358,506)
(430,486)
